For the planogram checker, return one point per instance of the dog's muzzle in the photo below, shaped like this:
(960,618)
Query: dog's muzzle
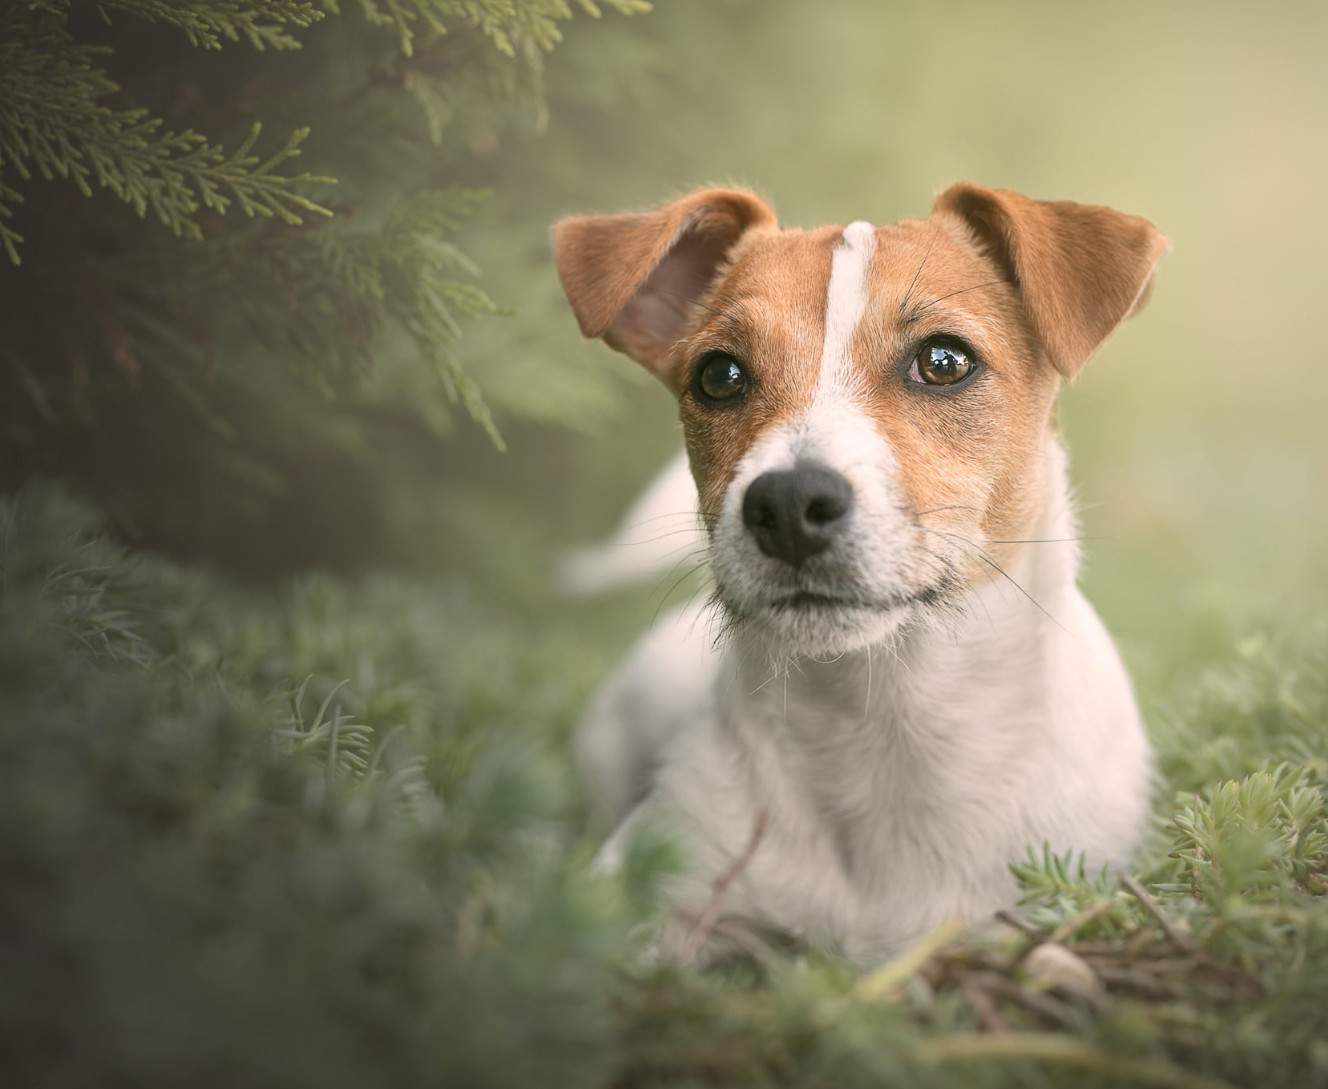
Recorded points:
(794,514)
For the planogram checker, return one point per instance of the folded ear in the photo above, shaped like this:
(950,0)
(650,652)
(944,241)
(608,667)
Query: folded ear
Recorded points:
(634,278)
(1080,269)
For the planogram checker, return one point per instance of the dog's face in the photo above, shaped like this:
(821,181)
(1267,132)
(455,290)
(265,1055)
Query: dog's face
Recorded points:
(865,408)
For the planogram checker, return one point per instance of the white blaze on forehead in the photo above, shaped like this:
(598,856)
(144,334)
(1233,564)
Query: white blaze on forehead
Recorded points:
(845,302)
(834,431)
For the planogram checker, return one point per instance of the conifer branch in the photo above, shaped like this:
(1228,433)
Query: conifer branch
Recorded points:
(503,22)
(206,22)
(52,124)
(405,265)
(325,306)
(10,239)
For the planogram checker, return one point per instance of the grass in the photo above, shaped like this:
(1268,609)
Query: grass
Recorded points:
(330,837)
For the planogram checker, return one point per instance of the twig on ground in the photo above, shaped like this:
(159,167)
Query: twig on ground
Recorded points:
(705,923)
(1058,936)
(1073,925)
(988,1017)
(1181,941)
(1009,918)
(1039,1002)
(1147,983)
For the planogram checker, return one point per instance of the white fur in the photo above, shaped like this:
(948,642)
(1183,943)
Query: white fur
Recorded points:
(834,431)
(846,301)
(899,780)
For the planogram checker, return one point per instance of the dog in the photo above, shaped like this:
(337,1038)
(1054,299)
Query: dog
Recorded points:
(907,690)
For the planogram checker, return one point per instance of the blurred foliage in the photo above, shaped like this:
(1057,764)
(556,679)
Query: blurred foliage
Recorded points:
(327,838)
(1198,464)
(284,843)
(223,392)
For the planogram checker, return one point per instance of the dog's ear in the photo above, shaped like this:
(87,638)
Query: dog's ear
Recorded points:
(1080,269)
(633,278)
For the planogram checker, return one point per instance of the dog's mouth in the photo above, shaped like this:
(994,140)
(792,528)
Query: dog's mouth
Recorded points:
(815,603)
(818,623)
(832,619)
(809,601)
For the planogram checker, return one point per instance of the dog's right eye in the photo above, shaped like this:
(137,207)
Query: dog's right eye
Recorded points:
(720,378)
(941,362)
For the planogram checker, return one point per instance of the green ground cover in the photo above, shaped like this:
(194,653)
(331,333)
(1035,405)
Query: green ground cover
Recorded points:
(328,836)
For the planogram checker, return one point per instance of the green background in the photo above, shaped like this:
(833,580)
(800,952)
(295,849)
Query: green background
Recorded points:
(1198,444)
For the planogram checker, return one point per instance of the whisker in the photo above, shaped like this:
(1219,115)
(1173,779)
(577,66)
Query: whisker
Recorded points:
(937,510)
(697,302)
(1060,540)
(775,671)
(688,604)
(730,323)
(827,661)
(1010,579)
(960,606)
(866,708)
(893,647)
(728,620)
(903,303)
(1030,540)
(982,555)
(691,515)
(669,533)
(962,290)
(686,557)
(676,583)
(694,556)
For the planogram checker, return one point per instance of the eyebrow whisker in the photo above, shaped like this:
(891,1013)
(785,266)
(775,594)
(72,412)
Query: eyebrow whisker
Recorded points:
(903,303)
(952,294)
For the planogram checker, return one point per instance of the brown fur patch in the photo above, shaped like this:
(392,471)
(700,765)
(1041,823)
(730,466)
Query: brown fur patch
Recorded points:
(967,455)
(770,313)
(1031,287)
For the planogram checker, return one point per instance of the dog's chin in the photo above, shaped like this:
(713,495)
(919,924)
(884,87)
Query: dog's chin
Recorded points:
(819,626)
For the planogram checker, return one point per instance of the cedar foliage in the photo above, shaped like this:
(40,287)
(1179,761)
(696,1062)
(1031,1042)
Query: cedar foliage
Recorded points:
(225,862)
(230,270)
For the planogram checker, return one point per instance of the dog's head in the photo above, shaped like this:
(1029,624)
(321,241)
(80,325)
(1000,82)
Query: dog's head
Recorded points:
(866,408)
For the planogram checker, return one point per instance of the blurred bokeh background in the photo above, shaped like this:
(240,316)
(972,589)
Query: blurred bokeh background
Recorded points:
(285,686)
(1198,436)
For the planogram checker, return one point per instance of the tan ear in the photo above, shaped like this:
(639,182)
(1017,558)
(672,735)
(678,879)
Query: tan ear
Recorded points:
(635,278)
(1080,269)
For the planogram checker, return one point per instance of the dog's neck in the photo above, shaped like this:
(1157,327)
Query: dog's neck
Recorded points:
(984,658)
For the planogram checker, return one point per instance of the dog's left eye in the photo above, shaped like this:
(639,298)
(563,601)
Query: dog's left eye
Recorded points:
(940,363)
(720,377)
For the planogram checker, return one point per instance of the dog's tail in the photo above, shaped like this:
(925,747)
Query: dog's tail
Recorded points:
(661,531)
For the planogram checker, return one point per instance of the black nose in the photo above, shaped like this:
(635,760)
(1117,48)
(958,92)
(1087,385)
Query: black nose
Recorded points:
(796,513)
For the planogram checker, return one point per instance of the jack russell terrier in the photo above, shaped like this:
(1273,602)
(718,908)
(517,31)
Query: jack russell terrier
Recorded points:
(908,690)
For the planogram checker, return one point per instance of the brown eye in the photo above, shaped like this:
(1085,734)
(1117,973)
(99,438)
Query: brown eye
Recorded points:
(720,377)
(940,363)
